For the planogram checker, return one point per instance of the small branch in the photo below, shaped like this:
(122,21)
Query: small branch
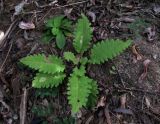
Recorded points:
(2,41)
(23,107)
(1,67)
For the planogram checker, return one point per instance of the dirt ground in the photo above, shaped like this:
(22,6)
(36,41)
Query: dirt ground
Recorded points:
(129,85)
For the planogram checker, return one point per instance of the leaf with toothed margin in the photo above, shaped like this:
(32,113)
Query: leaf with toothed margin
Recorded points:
(108,49)
(40,62)
(82,35)
(42,80)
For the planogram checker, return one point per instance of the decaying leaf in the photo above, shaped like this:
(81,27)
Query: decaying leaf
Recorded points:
(26,25)
(136,53)
(144,74)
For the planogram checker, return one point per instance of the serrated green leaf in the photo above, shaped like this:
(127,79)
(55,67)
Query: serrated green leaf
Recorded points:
(50,64)
(58,21)
(60,40)
(79,71)
(69,56)
(66,24)
(55,31)
(54,22)
(78,89)
(82,35)
(50,23)
(105,50)
(42,80)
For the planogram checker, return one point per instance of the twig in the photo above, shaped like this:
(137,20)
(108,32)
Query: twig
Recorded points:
(43,6)
(2,41)
(138,90)
(23,107)
(6,34)
(107,115)
(1,68)
(53,8)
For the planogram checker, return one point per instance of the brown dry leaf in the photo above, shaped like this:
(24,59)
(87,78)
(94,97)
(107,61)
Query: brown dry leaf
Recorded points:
(26,25)
(135,52)
(144,74)
(101,102)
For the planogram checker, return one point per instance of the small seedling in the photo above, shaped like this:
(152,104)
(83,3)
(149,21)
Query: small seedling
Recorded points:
(138,27)
(81,89)
(57,27)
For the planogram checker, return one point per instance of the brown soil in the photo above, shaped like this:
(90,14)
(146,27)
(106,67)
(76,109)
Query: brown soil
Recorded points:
(131,94)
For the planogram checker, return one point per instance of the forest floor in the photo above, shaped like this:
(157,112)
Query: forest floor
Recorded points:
(129,85)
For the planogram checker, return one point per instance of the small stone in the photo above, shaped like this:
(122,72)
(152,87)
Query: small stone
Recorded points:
(15,116)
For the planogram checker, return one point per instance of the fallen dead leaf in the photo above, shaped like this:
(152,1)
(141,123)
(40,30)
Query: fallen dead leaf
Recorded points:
(26,25)
(136,53)
(144,74)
